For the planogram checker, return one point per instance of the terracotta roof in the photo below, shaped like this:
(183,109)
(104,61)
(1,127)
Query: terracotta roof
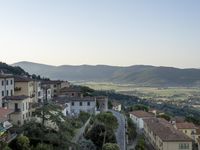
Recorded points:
(6,76)
(185,125)
(70,89)
(165,130)
(141,114)
(22,79)
(52,82)
(20,97)
(4,113)
(69,99)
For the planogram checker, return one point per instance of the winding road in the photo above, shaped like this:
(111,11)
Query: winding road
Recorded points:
(120,134)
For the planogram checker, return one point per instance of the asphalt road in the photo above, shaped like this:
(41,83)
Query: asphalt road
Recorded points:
(120,134)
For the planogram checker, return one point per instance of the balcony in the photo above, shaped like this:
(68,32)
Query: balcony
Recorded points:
(17,110)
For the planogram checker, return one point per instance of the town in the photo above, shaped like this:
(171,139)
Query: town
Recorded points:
(29,106)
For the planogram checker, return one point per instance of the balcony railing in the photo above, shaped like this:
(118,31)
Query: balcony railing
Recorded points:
(17,110)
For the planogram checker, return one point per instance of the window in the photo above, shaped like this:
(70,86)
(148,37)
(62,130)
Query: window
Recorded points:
(7,93)
(23,106)
(2,83)
(26,106)
(72,103)
(88,103)
(11,92)
(6,82)
(16,106)
(81,104)
(23,116)
(184,146)
(2,93)
(185,131)
(11,82)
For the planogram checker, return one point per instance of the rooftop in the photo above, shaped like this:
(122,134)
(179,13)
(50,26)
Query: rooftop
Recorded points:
(71,89)
(22,79)
(6,76)
(52,82)
(185,125)
(64,99)
(20,97)
(4,113)
(141,114)
(165,130)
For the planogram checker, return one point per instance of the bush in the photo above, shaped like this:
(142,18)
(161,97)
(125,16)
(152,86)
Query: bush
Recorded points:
(86,145)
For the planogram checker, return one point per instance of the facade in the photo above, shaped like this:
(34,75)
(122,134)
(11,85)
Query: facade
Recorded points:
(55,86)
(5,134)
(102,103)
(6,86)
(74,105)
(188,129)
(116,106)
(21,105)
(163,136)
(71,91)
(139,116)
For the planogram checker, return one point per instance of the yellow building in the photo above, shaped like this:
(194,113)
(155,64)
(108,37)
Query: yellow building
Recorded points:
(163,136)
(21,107)
(188,129)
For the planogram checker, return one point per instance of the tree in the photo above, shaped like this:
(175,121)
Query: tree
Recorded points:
(141,144)
(96,135)
(42,146)
(23,143)
(4,146)
(131,129)
(164,116)
(86,145)
(110,146)
(109,120)
(140,107)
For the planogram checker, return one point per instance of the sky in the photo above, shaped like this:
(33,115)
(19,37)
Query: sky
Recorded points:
(111,32)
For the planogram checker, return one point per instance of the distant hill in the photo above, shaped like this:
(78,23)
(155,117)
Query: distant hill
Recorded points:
(139,74)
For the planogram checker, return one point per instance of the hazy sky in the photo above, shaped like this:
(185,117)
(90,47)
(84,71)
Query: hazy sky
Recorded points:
(113,32)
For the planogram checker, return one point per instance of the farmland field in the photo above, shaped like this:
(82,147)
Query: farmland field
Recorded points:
(153,93)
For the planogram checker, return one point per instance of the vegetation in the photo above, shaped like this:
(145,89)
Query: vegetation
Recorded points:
(164,116)
(109,121)
(23,143)
(132,133)
(97,134)
(141,144)
(110,146)
(57,133)
(101,129)
(86,145)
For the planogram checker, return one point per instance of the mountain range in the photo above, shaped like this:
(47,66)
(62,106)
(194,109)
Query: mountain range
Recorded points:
(141,75)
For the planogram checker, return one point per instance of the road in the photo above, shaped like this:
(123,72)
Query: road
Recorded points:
(120,134)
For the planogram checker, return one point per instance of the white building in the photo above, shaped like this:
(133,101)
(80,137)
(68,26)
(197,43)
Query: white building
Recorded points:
(74,105)
(116,106)
(138,116)
(6,86)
